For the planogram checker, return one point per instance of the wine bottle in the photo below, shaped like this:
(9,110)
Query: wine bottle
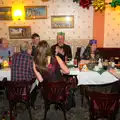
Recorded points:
(9,57)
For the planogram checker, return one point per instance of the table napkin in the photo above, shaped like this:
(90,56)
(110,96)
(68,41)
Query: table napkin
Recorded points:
(36,83)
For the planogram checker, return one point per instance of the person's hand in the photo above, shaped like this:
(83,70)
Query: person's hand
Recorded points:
(61,52)
(57,50)
(93,55)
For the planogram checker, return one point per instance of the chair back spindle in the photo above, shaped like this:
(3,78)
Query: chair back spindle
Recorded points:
(103,105)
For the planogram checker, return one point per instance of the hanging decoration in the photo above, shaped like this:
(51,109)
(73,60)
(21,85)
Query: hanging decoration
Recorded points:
(115,3)
(76,1)
(85,3)
(99,5)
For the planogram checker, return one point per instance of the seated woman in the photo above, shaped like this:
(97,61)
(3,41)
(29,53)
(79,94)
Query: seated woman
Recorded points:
(49,67)
(91,52)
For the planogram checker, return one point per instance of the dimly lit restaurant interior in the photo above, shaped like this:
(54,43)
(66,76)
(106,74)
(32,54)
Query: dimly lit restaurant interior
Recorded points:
(59,59)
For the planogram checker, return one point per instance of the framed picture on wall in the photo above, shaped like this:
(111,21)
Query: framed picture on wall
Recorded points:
(62,21)
(19,32)
(5,13)
(36,12)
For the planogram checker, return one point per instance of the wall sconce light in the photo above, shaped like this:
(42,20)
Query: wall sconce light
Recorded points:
(18,12)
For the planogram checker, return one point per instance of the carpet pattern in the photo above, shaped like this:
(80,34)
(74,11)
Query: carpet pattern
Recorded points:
(77,113)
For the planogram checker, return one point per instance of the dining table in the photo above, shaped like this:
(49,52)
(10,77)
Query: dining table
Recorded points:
(84,77)
(5,73)
(90,77)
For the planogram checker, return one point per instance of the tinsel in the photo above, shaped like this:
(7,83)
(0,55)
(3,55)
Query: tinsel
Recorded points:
(99,5)
(76,1)
(115,3)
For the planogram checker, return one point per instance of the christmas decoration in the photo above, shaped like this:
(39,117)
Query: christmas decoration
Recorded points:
(5,63)
(99,5)
(76,1)
(85,3)
(115,3)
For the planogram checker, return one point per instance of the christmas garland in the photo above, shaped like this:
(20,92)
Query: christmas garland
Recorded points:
(97,4)
(85,3)
(115,3)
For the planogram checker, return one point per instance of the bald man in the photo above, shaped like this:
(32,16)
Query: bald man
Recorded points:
(5,50)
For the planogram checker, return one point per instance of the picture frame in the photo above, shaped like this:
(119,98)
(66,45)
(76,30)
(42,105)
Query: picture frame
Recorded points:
(35,12)
(62,21)
(19,32)
(5,13)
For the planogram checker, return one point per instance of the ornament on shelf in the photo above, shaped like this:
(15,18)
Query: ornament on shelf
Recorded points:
(99,5)
(85,3)
(115,3)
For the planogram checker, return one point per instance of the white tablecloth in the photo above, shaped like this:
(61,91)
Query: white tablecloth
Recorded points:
(93,78)
(84,78)
(5,73)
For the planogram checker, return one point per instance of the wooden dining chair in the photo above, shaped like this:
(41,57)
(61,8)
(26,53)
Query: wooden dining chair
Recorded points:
(18,91)
(55,93)
(103,105)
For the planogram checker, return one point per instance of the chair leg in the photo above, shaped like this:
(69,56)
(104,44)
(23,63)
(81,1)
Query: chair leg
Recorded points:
(82,95)
(63,107)
(112,117)
(92,116)
(11,109)
(29,110)
(46,109)
(14,109)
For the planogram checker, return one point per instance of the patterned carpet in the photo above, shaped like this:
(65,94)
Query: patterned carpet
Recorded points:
(77,113)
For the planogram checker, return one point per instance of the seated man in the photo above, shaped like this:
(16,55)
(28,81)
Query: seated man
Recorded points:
(60,43)
(23,68)
(35,40)
(5,50)
(22,64)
